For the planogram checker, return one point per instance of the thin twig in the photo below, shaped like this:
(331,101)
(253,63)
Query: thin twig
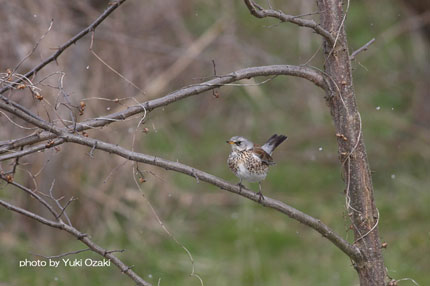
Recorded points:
(57,202)
(35,46)
(110,67)
(408,279)
(14,123)
(63,254)
(63,209)
(31,150)
(362,49)
(32,194)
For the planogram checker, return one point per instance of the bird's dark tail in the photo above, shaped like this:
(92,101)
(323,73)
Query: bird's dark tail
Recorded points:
(273,142)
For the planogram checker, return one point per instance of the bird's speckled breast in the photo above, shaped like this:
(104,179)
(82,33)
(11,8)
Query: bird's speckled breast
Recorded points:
(248,166)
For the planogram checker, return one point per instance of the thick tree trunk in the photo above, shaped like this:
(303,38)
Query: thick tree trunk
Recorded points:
(359,189)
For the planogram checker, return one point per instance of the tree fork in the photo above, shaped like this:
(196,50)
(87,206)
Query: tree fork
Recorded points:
(359,189)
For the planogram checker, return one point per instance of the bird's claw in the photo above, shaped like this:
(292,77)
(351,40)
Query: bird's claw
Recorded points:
(260,197)
(240,187)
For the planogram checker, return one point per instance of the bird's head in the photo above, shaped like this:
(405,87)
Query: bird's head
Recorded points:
(239,144)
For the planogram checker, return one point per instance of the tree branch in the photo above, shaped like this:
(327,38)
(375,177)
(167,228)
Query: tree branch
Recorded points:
(32,194)
(313,75)
(33,149)
(362,49)
(360,203)
(82,237)
(259,12)
(352,251)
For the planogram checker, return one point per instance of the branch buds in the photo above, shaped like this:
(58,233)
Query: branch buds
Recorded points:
(82,106)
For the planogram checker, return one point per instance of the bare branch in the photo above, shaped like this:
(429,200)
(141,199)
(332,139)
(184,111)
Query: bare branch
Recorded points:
(63,254)
(74,252)
(33,149)
(18,142)
(82,237)
(111,68)
(35,46)
(362,49)
(352,251)
(259,12)
(311,74)
(32,194)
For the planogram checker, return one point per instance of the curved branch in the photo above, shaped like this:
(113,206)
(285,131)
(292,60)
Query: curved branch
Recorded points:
(310,74)
(313,75)
(82,237)
(259,12)
(352,251)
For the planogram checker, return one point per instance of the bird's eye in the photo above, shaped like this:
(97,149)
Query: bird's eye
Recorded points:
(238,143)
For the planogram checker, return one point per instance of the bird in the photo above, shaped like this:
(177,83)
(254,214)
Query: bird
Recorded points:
(249,161)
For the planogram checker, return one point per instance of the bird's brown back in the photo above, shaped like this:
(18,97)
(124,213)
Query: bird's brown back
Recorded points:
(266,158)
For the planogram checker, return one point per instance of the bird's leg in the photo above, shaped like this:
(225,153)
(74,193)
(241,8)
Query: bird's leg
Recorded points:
(261,197)
(240,185)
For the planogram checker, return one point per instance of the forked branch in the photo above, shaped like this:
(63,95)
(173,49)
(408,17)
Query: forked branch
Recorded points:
(259,12)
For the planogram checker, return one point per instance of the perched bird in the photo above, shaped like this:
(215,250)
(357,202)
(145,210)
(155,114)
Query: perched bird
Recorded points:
(250,161)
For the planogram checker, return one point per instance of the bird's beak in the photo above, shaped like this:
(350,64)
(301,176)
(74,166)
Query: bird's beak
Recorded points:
(230,142)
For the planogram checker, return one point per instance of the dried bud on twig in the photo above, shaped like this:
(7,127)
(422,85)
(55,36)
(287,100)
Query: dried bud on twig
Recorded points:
(37,95)
(82,106)
(49,144)
(9,74)
(9,178)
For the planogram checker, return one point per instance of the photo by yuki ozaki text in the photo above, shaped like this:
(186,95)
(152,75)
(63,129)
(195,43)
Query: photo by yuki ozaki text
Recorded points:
(67,262)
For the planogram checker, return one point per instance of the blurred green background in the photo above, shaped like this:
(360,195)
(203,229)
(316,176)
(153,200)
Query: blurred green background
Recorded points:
(232,240)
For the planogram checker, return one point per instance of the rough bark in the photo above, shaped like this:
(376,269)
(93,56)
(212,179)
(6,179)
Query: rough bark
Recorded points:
(359,189)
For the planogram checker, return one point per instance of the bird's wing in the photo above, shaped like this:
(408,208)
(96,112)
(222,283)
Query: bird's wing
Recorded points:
(260,153)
